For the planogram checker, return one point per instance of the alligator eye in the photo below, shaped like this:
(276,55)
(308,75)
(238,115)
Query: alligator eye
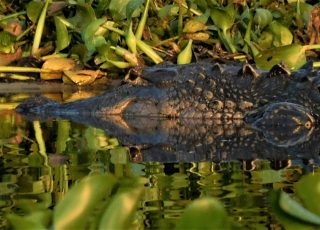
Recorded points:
(308,125)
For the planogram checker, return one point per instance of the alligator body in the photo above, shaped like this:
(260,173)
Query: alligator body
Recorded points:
(282,107)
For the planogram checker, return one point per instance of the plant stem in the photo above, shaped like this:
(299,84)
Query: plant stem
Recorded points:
(143,21)
(149,52)
(312,47)
(39,30)
(17,69)
(12,15)
(196,12)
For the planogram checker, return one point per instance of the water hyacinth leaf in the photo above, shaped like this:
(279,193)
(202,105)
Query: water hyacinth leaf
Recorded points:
(91,40)
(295,209)
(34,9)
(63,37)
(85,14)
(281,34)
(132,6)
(118,9)
(7,42)
(79,203)
(121,210)
(204,213)
(185,55)
(193,26)
(293,56)
(168,11)
(265,40)
(262,17)
(308,189)
(221,19)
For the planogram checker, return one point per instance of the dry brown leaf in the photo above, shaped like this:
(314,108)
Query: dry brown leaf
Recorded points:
(83,77)
(53,68)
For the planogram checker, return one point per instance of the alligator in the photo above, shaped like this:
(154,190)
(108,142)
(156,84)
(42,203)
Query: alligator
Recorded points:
(281,106)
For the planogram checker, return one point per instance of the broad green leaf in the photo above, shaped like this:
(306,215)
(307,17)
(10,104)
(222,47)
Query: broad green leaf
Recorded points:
(7,42)
(85,15)
(295,209)
(34,9)
(167,11)
(265,40)
(221,19)
(308,189)
(262,17)
(292,55)
(80,202)
(120,210)
(118,9)
(286,220)
(204,213)
(63,37)
(281,34)
(132,6)
(91,40)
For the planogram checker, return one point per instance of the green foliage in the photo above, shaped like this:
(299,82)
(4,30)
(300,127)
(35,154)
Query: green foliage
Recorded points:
(148,30)
(293,213)
(204,213)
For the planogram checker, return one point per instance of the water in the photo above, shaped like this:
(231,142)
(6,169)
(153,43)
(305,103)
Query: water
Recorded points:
(39,161)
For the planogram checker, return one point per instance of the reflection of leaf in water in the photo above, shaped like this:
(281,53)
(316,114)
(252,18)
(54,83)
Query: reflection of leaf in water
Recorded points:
(308,189)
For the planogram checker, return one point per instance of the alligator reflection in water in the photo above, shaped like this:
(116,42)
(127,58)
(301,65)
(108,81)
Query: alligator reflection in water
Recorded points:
(189,140)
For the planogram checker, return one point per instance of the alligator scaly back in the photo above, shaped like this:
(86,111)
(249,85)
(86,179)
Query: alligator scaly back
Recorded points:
(224,92)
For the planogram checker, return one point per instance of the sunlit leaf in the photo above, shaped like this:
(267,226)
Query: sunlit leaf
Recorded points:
(295,209)
(193,26)
(286,220)
(83,77)
(292,55)
(282,35)
(262,17)
(308,189)
(63,37)
(54,67)
(73,211)
(121,210)
(185,55)
(204,213)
